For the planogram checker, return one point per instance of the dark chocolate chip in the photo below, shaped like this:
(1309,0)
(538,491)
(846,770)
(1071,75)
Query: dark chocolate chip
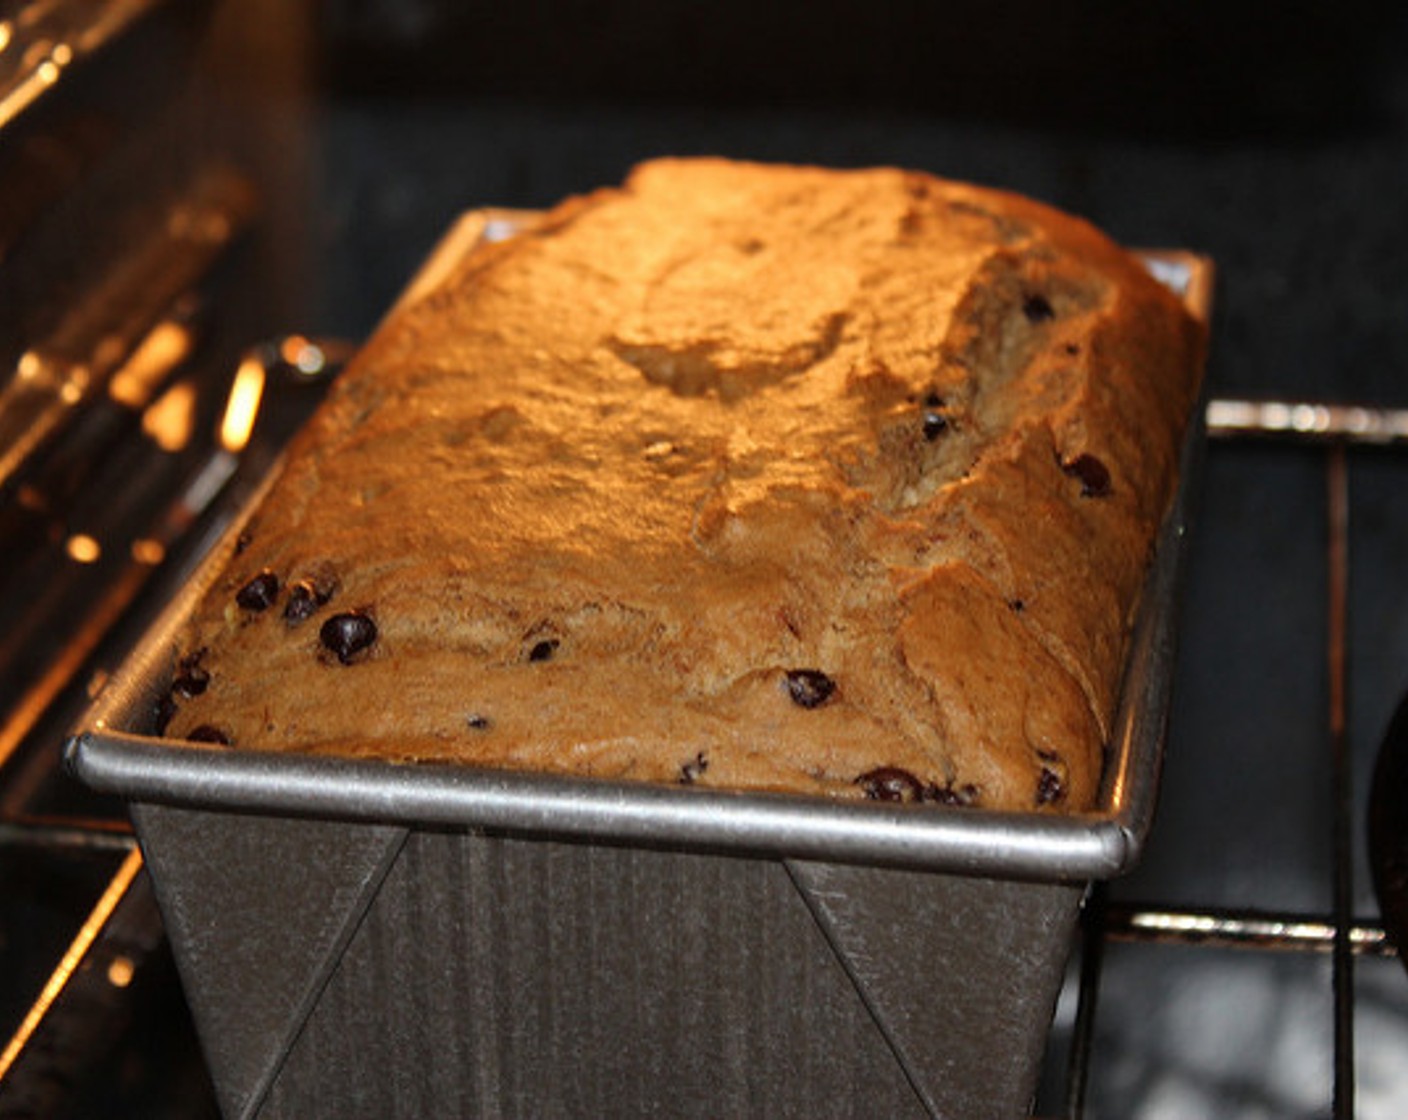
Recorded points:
(691,771)
(1037,309)
(1016,605)
(890,783)
(208,733)
(1049,787)
(305,596)
(1093,474)
(477,722)
(935,422)
(191,677)
(302,602)
(543,650)
(259,593)
(809,688)
(163,711)
(348,634)
(950,794)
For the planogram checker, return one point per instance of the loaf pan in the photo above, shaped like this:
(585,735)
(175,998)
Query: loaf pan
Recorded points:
(361,939)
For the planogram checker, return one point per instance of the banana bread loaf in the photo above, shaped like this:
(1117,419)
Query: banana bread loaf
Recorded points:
(751,476)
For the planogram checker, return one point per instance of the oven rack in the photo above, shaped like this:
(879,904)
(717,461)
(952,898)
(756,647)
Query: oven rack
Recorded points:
(1334,430)
(119,938)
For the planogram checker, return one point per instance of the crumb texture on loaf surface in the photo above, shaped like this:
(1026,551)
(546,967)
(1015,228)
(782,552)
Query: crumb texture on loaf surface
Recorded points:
(750,476)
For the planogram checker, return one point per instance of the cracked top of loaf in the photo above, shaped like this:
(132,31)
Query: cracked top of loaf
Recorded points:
(750,476)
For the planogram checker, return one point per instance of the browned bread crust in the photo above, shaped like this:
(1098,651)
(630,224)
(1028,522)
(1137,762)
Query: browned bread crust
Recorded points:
(751,476)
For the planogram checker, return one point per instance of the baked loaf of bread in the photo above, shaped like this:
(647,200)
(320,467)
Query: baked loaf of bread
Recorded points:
(759,477)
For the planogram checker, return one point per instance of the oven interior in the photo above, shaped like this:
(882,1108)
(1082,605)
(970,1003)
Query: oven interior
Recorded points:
(196,194)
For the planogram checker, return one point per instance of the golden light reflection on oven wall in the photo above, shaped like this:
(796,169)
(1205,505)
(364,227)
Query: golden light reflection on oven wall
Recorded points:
(166,347)
(121,970)
(40,67)
(68,379)
(243,405)
(83,548)
(147,551)
(303,355)
(170,420)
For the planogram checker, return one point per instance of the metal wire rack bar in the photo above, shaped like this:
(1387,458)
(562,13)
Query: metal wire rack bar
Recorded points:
(1241,929)
(1336,656)
(1337,428)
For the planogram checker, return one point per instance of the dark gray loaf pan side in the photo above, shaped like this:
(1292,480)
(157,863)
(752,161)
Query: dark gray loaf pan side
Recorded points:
(364,971)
